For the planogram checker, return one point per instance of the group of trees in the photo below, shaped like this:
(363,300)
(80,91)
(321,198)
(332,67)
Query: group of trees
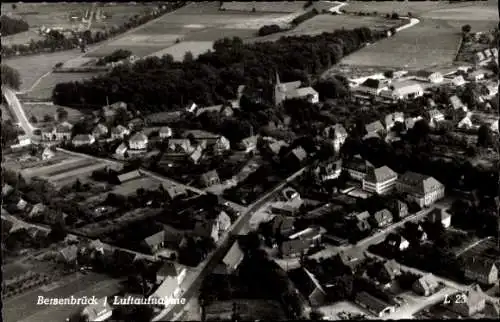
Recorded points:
(115,56)
(55,41)
(158,84)
(10,77)
(11,26)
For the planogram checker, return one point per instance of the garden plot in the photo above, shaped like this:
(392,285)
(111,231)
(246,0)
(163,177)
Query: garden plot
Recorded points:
(54,169)
(22,38)
(130,187)
(39,110)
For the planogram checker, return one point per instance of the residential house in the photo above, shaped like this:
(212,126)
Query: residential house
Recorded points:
(135,124)
(83,139)
(284,91)
(391,119)
(154,242)
(60,132)
(440,215)
(337,134)
(397,242)
(165,132)
(297,156)
(426,285)
(468,303)
(101,130)
(36,210)
(375,128)
(494,126)
(23,140)
(475,76)
(169,288)
(294,248)
(129,176)
(210,178)
(362,221)
(379,180)
(288,208)
(221,145)
(109,111)
(423,189)
(428,76)
(138,141)
(47,154)
(191,107)
(403,90)
(218,142)
(169,270)
(121,150)
(481,270)
(313,234)
(374,305)
(357,168)
(458,80)
(69,254)
(309,286)
(479,57)
(372,87)
(434,116)
(390,270)
(327,170)
(119,132)
(274,146)
(410,121)
(180,145)
(215,228)
(231,261)
(21,204)
(465,123)
(346,260)
(196,155)
(457,103)
(6,190)
(382,218)
(174,191)
(282,226)
(398,208)
(98,311)
(249,144)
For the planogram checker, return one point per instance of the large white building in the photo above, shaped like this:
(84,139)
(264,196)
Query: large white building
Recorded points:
(379,180)
(372,86)
(403,90)
(423,189)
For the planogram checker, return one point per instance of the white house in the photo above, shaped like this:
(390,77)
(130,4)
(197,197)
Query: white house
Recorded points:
(100,130)
(494,126)
(428,76)
(119,132)
(99,311)
(435,116)
(83,139)
(337,134)
(392,118)
(165,132)
(458,80)
(191,108)
(138,141)
(121,150)
(440,215)
(465,123)
(60,132)
(457,103)
(379,180)
(403,90)
(410,121)
(475,76)
(47,154)
(423,189)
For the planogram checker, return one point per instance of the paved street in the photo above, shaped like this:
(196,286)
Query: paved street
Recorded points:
(16,107)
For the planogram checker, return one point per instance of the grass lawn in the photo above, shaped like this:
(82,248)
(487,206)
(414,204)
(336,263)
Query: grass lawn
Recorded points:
(22,38)
(43,90)
(265,6)
(39,110)
(129,188)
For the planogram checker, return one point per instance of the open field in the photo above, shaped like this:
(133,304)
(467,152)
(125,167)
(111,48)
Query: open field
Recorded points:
(58,14)
(429,43)
(487,249)
(44,88)
(46,171)
(197,22)
(130,187)
(22,38)
(328,23)
(416,8)
(264,6)
(39,110)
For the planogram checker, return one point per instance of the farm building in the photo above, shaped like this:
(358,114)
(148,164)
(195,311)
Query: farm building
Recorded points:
(83,139)
(284,91)
(138,141)
(373,304)
(428,76)
(372,87)
(403,90)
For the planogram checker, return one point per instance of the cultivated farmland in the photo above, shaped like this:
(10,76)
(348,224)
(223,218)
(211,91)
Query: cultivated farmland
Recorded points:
(328,23)
(429,43)
(39,110)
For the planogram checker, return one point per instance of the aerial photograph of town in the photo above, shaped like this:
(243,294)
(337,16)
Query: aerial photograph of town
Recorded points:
(250,161)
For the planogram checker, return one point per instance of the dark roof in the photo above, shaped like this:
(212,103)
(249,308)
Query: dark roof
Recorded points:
(373,83)
(392,268)
(69,253)
(438,214)
(234,256)
(374,127)
(294,246)
(481,266)
(373,303)
(305,281)
(299,153)
(424,182)
(382,215)
(207,176)
(282,225)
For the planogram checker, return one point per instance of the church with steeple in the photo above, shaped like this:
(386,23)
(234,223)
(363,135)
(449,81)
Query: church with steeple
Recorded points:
(284,91)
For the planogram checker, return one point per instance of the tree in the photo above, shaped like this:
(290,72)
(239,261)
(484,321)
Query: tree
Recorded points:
(62,114)
(389,74)
(14,6)
(394,16)
(33,119)
(48,118)
(466,29)
(188,57)
(10,77)
(11,26)
(484,137)
(58,232)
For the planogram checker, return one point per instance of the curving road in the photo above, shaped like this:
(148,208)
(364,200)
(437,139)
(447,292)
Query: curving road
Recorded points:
(16,107)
